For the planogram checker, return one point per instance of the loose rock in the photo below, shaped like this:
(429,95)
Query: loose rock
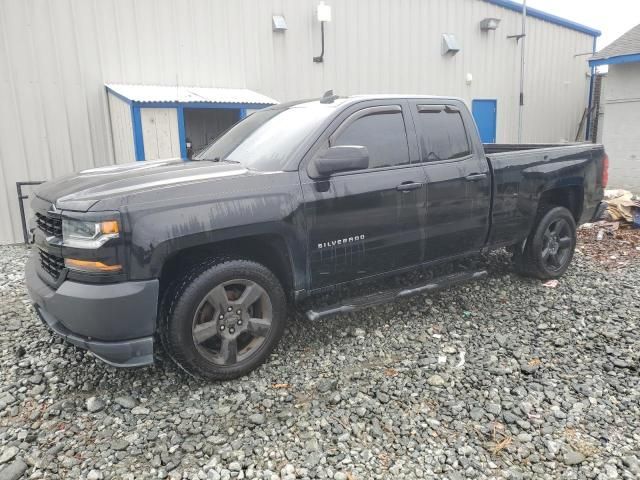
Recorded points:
(8,453)
(95,404)
(435,380)
(573,458)
(257,419)
(361,396)
(14,470)
(126,402)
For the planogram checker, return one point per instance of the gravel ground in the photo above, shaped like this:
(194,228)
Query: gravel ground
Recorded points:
(504,378)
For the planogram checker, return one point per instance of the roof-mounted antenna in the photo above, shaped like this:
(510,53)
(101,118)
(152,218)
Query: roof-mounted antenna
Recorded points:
(328,97)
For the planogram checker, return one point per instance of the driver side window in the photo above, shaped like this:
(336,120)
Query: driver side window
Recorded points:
(384,136)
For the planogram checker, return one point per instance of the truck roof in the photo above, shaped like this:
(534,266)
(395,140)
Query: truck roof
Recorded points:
(350,99)
(379,96)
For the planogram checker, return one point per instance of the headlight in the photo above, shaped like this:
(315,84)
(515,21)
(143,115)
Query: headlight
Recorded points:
(82,234)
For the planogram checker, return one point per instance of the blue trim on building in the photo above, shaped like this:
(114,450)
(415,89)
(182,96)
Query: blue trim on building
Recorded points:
(631,58)
(243,113)
(182,137)
(138,141)
(535,13)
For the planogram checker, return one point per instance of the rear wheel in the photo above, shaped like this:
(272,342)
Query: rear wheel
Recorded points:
(550,247)
(223,320)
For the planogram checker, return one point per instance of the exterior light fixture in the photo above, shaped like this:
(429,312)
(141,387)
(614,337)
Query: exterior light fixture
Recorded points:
(450,45)
(278,23)
(323,12)
(489,24)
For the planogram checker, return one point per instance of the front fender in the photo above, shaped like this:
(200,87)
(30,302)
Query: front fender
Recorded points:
(194,216)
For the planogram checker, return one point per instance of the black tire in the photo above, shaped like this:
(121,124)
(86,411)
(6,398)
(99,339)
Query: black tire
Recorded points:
(550,246)
(200,341)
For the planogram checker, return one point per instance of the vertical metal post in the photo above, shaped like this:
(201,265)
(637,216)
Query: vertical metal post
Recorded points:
(522,51)
(22,218)
(320,58)
(591,108)
(21,199)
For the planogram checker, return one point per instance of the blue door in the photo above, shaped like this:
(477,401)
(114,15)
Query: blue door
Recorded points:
(484,113)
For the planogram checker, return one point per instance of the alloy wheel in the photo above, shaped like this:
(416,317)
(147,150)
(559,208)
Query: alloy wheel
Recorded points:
(232,321)
(556,244)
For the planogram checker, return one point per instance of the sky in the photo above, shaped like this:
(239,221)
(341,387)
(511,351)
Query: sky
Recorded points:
(611,17)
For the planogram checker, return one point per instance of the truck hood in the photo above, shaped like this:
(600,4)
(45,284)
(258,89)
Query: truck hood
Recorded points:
(83,190)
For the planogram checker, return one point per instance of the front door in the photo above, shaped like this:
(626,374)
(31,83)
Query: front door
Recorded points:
(458,179)
(371,221)
(484,114)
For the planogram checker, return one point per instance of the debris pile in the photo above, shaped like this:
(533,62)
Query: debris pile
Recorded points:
(623,206)
(611,246)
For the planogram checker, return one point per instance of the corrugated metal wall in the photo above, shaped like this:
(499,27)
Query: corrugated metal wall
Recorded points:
(121,130)
(620,125)
(56,56)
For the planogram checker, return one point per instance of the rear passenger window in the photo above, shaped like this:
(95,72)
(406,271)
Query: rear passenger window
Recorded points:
(442,133)
(384,136)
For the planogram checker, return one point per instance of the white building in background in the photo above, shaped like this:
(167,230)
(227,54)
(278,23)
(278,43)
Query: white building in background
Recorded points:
(66,71)
(620,109)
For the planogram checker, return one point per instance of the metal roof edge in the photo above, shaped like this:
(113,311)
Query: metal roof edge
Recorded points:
(615,60)
(533,12)
(120,91)
(117,94)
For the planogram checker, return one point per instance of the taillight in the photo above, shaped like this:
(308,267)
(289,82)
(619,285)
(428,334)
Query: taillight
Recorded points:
(605,170)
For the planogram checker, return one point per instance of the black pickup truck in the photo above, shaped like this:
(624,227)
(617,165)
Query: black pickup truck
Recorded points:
(206,256)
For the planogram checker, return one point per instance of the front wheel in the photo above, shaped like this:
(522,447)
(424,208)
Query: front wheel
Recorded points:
(222,320)
(549,248)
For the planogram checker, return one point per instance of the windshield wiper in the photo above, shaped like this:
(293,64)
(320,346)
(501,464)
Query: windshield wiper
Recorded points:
(216,159)
(202,159)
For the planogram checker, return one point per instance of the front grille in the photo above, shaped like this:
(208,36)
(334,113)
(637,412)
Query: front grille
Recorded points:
(52,264)
(50,225)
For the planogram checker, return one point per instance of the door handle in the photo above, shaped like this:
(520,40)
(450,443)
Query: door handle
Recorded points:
(474,177)
(405,187)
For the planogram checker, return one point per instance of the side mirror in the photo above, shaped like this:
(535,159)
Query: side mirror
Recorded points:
(340,158)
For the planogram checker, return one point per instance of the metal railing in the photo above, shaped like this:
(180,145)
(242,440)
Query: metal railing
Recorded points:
(21,198)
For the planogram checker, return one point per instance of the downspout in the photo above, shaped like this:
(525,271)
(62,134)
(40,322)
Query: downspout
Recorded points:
(523,33)
(591,85)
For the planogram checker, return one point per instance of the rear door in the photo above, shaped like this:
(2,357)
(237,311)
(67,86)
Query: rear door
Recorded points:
(484,114)
(366,222)
(458,179)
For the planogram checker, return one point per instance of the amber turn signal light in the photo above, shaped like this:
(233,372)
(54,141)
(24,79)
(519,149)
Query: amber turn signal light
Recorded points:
(91,266)
(109,227)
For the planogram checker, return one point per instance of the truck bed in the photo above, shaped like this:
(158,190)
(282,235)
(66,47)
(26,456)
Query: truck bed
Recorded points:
(522,171)
(514,147)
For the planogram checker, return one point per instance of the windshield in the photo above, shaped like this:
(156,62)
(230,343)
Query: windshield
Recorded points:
(265,139)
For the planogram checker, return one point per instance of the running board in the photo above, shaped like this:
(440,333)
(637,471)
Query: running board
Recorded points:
(385,296)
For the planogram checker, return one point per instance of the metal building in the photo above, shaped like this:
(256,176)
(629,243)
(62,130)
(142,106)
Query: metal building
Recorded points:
(619,108)
(60,60)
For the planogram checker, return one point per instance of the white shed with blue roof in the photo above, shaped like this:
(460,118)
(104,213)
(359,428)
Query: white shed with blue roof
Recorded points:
(150,122)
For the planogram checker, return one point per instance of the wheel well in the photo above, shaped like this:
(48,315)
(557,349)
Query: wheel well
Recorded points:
(269,250)
(569,197)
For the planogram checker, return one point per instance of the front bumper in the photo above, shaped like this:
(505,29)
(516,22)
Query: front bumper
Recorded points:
(114,321)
